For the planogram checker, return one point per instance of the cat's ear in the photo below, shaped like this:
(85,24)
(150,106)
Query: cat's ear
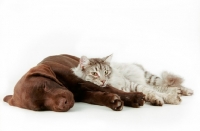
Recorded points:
(108,58)
(84,61)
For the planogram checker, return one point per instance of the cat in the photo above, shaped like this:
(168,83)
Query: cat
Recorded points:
(132,78)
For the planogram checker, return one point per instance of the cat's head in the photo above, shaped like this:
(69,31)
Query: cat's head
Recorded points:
(96,70)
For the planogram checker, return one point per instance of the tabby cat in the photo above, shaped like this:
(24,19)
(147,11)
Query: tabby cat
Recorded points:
(132,78)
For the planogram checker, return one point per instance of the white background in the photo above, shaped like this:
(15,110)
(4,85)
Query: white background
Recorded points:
(159,34)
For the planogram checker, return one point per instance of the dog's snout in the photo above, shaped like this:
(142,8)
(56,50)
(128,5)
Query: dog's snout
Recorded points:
(64,104)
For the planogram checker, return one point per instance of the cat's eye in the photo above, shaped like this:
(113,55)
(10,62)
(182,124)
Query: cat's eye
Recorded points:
(94,73)
(106,72)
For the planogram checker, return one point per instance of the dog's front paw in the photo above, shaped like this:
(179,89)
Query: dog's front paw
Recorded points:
(139,99)
(114,102)
(134,99)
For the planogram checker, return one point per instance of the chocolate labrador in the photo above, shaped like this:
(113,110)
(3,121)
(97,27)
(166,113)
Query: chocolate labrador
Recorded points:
(51,85)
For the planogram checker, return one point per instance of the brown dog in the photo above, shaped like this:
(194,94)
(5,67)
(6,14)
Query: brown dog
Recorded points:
(51,85)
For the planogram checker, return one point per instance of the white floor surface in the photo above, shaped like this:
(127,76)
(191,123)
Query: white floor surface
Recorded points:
(159,34)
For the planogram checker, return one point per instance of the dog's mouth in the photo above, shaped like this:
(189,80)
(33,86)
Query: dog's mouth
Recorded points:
(64,107)
(57,109)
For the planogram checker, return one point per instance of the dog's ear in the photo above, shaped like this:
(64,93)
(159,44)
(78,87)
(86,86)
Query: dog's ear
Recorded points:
(45,71)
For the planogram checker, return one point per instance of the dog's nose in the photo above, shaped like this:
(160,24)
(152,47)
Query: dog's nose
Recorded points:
(64,104)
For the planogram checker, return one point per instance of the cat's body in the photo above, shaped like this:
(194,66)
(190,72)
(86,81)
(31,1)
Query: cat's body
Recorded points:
(132,78)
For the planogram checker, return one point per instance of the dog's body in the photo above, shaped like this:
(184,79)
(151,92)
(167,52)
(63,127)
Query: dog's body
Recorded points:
(51,85)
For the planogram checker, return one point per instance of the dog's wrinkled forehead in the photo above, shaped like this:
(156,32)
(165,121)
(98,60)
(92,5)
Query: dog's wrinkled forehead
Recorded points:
(52,86)
(44,71)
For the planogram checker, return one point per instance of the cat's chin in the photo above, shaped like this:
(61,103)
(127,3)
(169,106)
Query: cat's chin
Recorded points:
(102,85)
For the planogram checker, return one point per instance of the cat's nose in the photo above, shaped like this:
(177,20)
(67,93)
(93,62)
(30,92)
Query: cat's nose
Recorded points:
(103,81)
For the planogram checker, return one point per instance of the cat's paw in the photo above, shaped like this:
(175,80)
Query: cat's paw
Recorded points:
(172,99)
(114,102)
(174,90)
(134,99)
(155,100)
(186,91)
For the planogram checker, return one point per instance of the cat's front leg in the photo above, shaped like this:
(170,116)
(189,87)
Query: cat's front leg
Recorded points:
(186,91)
(179,90)
(170,95)
(171,98)
(169,90)
(129,86)
(153,98)
(150,94)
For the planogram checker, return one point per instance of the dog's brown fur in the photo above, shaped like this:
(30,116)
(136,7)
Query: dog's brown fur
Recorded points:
(51,85)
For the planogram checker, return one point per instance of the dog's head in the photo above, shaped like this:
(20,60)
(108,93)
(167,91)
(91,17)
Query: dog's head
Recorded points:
(57,97)
(48,91)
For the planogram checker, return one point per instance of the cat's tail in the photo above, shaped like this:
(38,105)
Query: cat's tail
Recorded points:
(166,79)
(171,79)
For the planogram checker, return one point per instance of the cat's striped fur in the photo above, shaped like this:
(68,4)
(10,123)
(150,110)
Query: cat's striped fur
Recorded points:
(132,78)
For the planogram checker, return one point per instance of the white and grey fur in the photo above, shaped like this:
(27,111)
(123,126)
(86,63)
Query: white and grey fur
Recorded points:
(132,78)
